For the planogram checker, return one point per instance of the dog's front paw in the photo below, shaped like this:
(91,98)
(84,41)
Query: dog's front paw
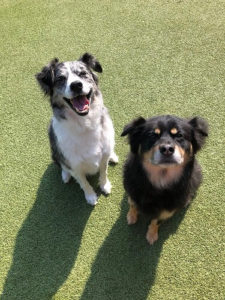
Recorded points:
(91,199)
(152,234)
(114,158)
(152,238)
(106,187)
(132,217)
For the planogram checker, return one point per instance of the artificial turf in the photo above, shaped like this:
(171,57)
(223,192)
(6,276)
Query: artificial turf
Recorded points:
(158,57)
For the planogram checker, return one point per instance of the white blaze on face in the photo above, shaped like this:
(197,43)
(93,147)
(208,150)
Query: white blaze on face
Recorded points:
(72,77)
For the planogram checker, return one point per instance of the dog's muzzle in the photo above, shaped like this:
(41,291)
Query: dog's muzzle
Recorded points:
(80,104)
(167,154)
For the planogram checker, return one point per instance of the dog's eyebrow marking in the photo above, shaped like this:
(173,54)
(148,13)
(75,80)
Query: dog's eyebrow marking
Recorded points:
(61,69)
(157,131)
(173,130)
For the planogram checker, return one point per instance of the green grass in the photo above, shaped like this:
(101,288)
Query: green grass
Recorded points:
(159,57)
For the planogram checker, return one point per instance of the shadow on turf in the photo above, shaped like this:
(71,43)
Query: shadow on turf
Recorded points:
(48,241)
(126,264)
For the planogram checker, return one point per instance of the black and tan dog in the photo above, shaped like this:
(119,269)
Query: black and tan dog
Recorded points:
(161,173)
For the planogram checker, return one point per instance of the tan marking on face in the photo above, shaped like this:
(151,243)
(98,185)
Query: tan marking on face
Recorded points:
(132,215)
(186,156)
(165,214)
(161,176)
(157,131)
(147,156)
(181,150)
(152,233)
(173,131)
(182,153)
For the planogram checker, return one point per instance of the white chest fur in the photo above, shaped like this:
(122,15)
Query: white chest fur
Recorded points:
(81,145)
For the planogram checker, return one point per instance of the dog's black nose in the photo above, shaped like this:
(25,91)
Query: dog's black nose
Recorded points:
(166,149)
(76,86)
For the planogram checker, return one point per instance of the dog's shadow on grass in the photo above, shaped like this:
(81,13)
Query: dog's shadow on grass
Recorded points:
(126,264)
(48,241)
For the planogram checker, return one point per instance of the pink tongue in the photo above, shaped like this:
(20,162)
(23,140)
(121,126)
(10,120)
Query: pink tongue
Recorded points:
(81,103)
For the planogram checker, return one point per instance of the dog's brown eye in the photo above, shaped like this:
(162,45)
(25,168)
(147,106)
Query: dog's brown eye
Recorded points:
(61,78)
(82,74)
(178,135)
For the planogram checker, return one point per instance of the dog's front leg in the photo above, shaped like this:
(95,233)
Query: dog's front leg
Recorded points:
(114,158)
(152,233)
(105,184)
(89,193)
(132,215)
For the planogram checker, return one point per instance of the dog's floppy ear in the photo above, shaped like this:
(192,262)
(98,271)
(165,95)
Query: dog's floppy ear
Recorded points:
(133,130)
(91,62)
(200,132)
(46,77)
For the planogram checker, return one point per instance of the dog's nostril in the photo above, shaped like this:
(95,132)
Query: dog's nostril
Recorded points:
(171,149)
(76,86)
(166,150)
(162,149)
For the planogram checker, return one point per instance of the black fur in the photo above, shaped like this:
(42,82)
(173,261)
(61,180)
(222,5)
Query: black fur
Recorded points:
(200,132)
(47,76)
(57,155)
(134,130)
(91,62)
(152,200)
(148,198)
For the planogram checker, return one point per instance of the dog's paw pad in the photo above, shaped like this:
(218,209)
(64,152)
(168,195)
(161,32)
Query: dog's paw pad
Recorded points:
(114,158)
(106,188)
(152,237)
(91,199)
(65,176)
(131,218)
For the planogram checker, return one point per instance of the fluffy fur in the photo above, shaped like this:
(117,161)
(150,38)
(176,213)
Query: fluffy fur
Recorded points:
(161,173)
(81,132)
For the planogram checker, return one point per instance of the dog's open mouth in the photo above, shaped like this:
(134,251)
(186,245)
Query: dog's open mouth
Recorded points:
(80,104)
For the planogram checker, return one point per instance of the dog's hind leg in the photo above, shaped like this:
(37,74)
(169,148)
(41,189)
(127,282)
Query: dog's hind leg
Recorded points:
(65,176)
(89,193)
(105,184)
